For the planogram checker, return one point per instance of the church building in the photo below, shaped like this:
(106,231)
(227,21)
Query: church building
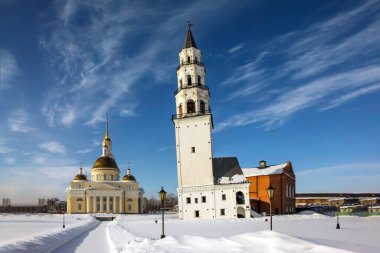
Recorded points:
(208,187)
(105,191)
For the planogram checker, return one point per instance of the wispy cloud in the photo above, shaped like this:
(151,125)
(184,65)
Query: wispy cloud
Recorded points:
(315,92)
(5,148)
(235,48)
(320,63)
(9,160)
(52,147)
(19,122)
(8,69)
(98,62)
(358,167)
(350,96)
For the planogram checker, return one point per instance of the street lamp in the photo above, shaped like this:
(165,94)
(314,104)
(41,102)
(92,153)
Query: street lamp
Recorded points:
(63,225)
(270,192)
(162,197)
(337,219)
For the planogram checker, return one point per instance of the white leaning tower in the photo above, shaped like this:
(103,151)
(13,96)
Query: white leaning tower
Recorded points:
(207,186)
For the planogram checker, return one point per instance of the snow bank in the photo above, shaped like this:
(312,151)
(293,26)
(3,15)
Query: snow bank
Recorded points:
(47,241)
(121,239)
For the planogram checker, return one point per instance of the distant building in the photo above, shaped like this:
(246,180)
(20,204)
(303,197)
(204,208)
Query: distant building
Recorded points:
(281,177)
(207,187)
(336,199)
(106,191)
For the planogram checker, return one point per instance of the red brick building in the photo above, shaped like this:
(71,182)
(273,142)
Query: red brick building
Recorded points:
(282,179)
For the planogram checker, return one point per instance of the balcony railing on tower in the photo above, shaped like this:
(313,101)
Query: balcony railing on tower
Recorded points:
(193,85)
(193,114)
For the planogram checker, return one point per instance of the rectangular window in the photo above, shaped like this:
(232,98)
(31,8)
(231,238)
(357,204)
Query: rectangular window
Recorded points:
(188,200)
(188,59)
(222,211)
(104,176)
(197,214)
(196,200)
(104,207)
(223,196)
(192,149)
(129,207)
(79,207)
(97,207)
(203,199)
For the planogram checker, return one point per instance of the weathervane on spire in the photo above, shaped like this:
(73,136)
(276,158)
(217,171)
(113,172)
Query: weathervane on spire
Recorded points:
(189,24)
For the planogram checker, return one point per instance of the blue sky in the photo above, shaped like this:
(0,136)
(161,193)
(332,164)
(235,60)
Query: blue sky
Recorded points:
(296,81)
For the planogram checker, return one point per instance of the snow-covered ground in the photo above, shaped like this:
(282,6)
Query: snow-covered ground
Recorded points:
(140,233)
(291,233)
(40,233)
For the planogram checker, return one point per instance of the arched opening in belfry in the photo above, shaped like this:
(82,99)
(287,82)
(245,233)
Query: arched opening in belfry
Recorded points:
(240,198)
(199,80)
(180,110)
(202,107)
(190,106)
(189,80)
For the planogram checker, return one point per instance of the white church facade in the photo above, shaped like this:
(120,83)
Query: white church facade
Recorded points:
(208,187)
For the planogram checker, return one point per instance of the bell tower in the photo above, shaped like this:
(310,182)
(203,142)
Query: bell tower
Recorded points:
(193,118)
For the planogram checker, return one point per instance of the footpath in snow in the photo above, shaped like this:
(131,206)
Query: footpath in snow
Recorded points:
(94,240)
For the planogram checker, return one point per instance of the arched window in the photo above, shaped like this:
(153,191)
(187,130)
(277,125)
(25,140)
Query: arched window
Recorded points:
(203,107)
(189,80)
(199,80)
(188,59)
(240,198)
(190,106)
(180,110)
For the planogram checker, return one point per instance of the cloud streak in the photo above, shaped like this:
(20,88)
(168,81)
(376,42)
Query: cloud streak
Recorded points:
(52,147)
(18,122)
(8,69)
(319,64)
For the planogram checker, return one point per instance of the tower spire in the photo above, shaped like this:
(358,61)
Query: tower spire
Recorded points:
(189,40)
(106,136)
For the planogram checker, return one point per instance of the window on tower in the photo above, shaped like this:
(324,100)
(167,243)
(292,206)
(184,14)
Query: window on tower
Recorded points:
(192,149)
(188,200)
(188,59)
(190,106)
(180,111)
(199,80)
(189,80)
(203,107)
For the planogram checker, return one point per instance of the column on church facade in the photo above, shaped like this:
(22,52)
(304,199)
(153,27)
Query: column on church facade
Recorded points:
(120,203)
(94,198)
(114,204)
(87,204)
(108,204)
(101,203)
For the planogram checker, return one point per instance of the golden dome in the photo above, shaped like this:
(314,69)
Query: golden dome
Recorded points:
(105,162)
(129,178)
(80,177)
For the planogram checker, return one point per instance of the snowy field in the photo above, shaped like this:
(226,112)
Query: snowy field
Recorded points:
(140,233)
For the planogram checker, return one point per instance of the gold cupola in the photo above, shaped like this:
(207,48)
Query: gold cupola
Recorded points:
(80,176)
(129,177)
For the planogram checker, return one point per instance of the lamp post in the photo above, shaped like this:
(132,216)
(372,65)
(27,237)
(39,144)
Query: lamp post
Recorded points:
(63,224)
(270,192)
(337,219)
(162,197)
